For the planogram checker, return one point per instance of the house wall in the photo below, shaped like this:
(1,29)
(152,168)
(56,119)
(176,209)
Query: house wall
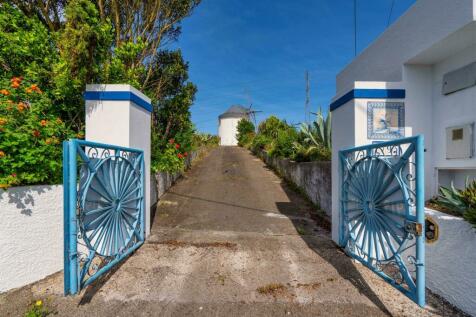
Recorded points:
(31,234)
(425,23)
(418,110)
(227,131)
(451,110)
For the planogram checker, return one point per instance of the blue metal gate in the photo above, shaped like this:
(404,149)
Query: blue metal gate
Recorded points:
(103,209)
(382,211)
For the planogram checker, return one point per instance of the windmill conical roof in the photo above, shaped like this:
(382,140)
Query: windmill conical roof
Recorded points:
(235,111)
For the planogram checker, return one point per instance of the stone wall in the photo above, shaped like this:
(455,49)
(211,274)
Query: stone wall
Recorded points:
(313,178)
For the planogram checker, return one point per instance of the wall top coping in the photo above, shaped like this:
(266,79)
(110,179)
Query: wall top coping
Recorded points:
(117,92)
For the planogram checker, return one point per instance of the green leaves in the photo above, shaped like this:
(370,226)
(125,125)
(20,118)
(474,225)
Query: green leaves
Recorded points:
(246,133)
(63,45)
(462,201)
(30,135)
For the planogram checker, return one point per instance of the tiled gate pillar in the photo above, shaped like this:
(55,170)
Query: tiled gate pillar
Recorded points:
(350,127)
(121,115)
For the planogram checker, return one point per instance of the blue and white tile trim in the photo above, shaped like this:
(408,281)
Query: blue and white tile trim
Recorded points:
(119,96)
(368,94)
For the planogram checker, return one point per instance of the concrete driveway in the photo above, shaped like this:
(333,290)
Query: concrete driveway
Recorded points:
(231,239)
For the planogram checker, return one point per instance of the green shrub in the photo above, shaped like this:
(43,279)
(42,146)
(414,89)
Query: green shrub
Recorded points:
(470,216)
(461,201)
(204,139)
(30,135)
(314,140)
(451,198)
(282,145)
(171,159)
(309,153)
(271,126)
(261,142)
(246,133)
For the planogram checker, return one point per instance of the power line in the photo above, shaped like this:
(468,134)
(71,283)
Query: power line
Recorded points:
(355,27)
(390,13)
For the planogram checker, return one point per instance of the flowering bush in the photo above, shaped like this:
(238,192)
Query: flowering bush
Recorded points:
(30,135)
(172,158)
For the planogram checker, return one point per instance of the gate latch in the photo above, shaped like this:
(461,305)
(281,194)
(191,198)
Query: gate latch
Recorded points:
(414,228)
(431,230)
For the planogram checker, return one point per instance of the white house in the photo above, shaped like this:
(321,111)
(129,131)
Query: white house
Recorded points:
(423,67)
(228,122)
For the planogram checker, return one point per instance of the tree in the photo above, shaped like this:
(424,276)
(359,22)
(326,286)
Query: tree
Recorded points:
(176,94)
(111,41)
(84,45)
(246,132)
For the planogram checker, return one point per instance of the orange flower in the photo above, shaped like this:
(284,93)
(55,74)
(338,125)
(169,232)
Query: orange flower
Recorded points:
(43,123)
(2,154)
(48,141)
(3,121)
(15,84)
(180,156)
(177,146)
(36,133)
(185,154)
(34,87)
(21,106)
(28,90)
(4,92)
(16,79)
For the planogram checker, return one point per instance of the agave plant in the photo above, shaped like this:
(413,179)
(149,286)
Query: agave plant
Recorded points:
(458,200)
(451,198)
(319,132)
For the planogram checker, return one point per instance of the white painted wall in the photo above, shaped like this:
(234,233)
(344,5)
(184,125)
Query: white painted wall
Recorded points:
(450,262)
(418,110)
(343,136)
(454,109)
(227,131)
(121,122)
(424,24)
(31,234)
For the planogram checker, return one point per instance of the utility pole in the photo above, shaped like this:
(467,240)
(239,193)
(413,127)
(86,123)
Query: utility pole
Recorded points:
(306,105)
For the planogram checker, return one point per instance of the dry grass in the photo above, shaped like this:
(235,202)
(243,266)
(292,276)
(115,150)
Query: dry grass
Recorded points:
(312,286)
(183,244)
(273,289)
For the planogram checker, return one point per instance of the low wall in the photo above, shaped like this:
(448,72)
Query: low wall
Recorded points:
(450,262)
(313,178)
(31,234)
(162,181)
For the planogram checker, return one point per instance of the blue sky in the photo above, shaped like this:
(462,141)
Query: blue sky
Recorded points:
(257,51)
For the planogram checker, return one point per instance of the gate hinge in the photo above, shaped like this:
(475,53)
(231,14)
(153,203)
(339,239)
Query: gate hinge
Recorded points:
(415,228)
